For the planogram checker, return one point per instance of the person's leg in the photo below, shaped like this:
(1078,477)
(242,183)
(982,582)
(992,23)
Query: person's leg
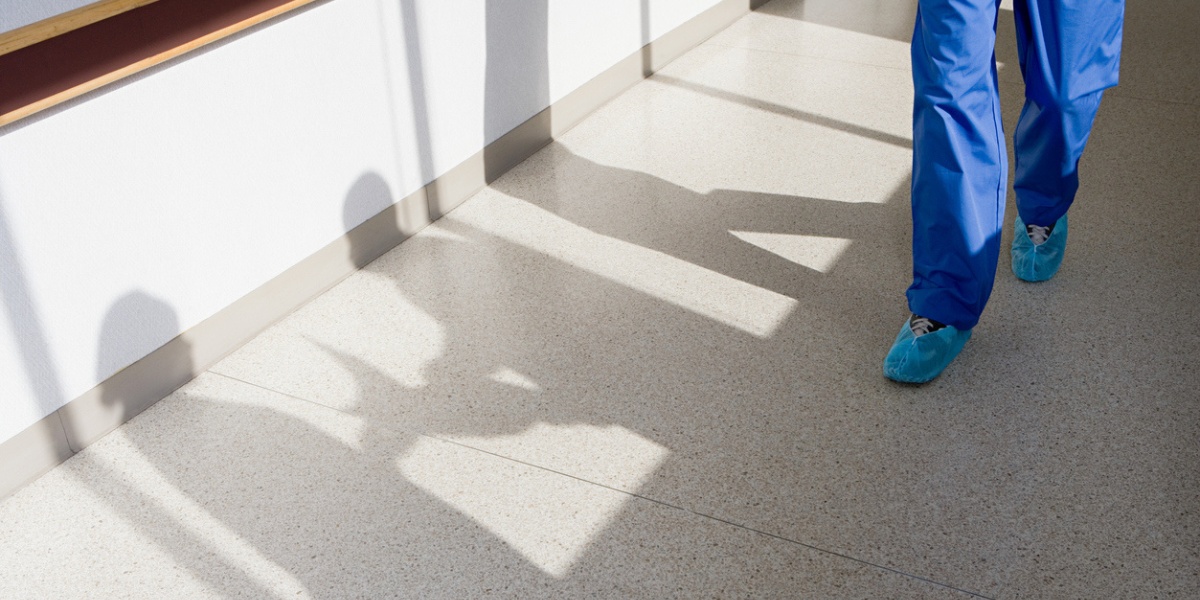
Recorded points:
(958,183)
(1069,52)
(959,163)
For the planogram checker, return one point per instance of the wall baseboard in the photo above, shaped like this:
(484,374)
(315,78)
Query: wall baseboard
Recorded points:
(31,453)
(91,416)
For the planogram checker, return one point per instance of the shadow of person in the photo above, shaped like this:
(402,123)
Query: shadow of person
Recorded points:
(368,217)
(134,323)
(462,371)
(835,259)
(253,493)
(559,306)
(140,358)
(529,322)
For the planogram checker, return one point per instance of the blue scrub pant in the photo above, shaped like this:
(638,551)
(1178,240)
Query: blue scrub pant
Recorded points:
(1069,52)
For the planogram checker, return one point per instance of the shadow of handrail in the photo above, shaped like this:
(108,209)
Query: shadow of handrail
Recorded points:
(26,325)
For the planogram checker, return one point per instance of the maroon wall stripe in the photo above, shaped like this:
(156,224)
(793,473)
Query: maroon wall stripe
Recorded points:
(52,66)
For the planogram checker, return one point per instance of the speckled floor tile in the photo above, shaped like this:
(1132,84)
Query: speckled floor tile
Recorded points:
(821,120)
(1159,50)
(229,490)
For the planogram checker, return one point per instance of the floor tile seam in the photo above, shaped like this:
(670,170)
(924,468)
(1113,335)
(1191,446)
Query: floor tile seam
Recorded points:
(712,518)
(607,487)
(809,57)
(835,553)
(312,402)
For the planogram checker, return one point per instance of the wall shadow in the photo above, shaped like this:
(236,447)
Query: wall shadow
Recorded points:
(24,321)
(415,59)
(134,322)
(516,80)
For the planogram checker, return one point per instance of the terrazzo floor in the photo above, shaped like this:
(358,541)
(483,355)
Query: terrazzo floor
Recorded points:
(647,363)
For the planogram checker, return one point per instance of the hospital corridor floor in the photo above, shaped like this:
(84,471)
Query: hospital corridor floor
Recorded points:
(645,363)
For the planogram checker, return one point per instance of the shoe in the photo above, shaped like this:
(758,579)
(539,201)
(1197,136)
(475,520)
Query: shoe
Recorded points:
(922,350)
(1037,252)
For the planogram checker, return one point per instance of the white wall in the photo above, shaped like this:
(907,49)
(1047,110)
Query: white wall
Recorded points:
(136,212)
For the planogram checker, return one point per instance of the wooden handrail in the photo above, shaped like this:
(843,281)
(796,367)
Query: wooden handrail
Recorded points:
(28,72)
(68,21)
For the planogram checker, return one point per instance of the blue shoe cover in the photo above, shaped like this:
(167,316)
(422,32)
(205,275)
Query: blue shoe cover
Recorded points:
(918,359)
(1040,262)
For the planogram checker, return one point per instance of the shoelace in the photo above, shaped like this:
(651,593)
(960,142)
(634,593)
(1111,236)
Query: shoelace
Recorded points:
(1038,234)
(921,325)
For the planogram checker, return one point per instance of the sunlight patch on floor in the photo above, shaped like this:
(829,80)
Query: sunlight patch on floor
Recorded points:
(744,306)
(812,251)
(548,520)
(507,376)
(194,521)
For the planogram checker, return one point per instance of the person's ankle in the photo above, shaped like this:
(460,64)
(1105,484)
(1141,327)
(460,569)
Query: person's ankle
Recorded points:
(923,325)
(1038,234)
